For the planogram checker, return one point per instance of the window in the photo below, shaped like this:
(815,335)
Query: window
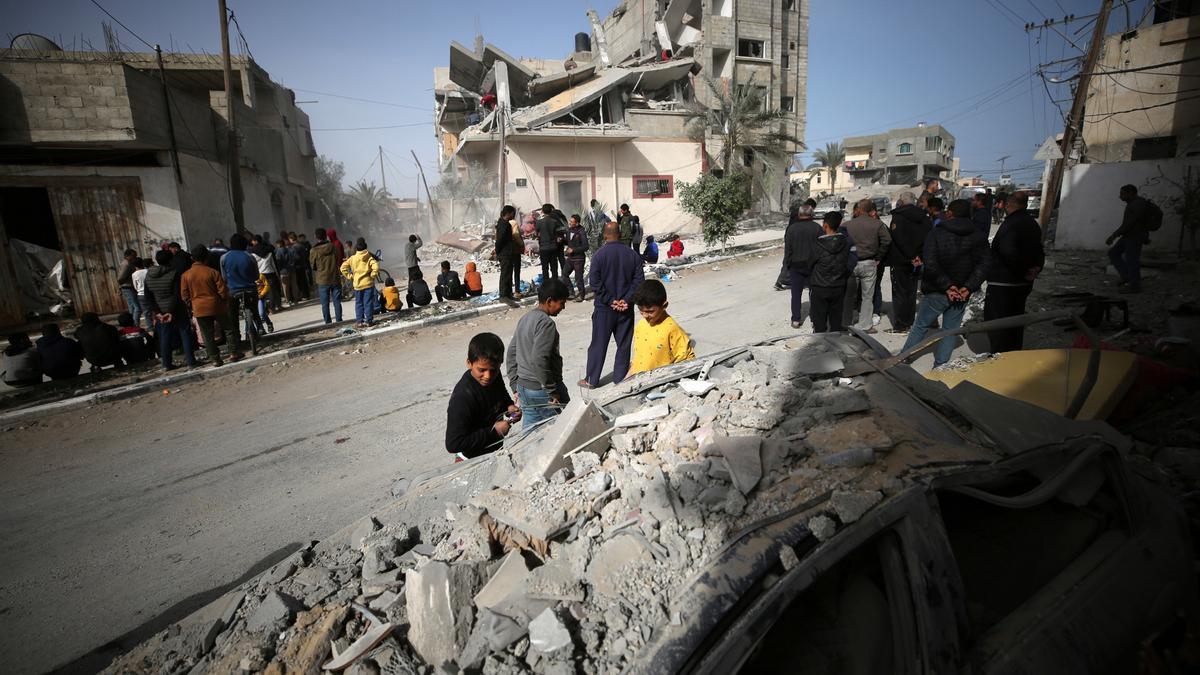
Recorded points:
(759,92)
(522,182)
(310,209)
(818,178)
(784,61)
(905,149)
(1162,147)
(755,49)
(789,4)
(649,187)
(787,103)
(933,143)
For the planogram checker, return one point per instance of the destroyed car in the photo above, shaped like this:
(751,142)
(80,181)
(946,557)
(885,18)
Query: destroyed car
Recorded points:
(754,510)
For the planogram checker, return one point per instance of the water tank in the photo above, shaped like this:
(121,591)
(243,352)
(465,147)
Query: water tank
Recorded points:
(583,42)
(37,43)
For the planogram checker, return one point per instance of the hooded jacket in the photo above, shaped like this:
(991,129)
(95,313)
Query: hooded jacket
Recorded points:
(831,266)
(240,271)
(1016,248)
(799,241)
(910,226)
(956,254)
(61,356)
(204,290)
(338,247)
(22,365)
(361,269)
(100,342)
(323,260)
(162,292)
(473,279)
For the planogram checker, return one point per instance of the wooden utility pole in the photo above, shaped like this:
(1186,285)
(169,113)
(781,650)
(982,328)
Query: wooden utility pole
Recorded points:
(432,214)
(382,175)
(162,77)
(233,164)
(1051,190)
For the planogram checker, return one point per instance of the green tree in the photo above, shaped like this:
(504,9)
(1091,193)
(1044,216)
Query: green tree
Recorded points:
(717,202)
(831,156)
(330,174)
(370,208)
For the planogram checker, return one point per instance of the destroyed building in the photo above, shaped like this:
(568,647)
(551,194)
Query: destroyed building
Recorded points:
(93,161)
(611,121)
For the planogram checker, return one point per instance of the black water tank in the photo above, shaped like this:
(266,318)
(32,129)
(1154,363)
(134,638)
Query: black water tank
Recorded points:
(583,42)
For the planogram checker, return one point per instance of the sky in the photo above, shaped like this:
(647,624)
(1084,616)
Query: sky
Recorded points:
(873,64)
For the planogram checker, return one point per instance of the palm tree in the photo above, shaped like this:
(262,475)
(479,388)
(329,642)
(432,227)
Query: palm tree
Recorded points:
(367,196)
(742,122)
(831,157)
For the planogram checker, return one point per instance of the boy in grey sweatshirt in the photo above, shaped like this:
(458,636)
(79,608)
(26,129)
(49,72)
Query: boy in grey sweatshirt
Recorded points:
(534,361)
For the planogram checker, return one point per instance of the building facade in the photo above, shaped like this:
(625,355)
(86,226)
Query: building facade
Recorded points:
(97,155)
(908,156)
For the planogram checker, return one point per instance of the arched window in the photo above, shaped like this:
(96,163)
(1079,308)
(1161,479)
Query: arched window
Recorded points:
(905,149)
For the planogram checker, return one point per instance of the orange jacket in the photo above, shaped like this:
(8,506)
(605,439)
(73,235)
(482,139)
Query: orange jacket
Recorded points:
(472,278)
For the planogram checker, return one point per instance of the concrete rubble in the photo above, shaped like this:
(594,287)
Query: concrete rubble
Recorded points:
(566,551)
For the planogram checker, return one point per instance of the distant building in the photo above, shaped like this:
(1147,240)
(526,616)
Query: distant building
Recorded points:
(87,168)
(908,156)
(610,121)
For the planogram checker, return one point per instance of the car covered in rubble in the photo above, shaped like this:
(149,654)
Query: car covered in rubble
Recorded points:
(797,505)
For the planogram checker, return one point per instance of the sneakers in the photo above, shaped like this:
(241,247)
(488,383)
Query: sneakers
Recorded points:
(797,324)
(875,319)
(779,287)
(270,326)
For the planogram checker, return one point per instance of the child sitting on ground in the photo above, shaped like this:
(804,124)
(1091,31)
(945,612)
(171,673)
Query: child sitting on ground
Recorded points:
(136,344)
(474,281)
(676,249)
(418,291)
(448,287)
(657,340)
(391,296)
(481,413)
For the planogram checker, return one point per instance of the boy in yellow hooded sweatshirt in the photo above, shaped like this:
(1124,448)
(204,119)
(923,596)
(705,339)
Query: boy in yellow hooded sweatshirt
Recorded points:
(361,269)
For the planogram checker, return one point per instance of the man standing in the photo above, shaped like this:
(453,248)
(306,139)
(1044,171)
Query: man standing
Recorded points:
(636,234)
(264,256)
(171,316)
(547,234)
(981,215)
(534,362)
(576,250)
(241,276)
(910,225)
(596,220)
(125,282)
(508,253)
(322,259)
(871,240)
(300,250)
(1126,255)
(799,242)
(1016,259)
(411,261)
(625,220)
(955,257)
(615,276)
(204,292)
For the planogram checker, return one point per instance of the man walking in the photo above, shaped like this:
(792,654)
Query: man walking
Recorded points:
(615,276)
(125,282)
(799,242)
(910,225)
(871,240)
(322,259)
(547,234)
(955,257)
(1126,255)
(534,362)
(508,253)
(204,292)
(171,316)
(411,261)
(241,277)
(1017,257)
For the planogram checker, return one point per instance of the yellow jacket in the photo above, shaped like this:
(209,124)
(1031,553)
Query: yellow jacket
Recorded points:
(361,268)
(658,346)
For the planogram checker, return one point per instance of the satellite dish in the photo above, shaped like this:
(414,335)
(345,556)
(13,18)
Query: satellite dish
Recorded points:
(34,42)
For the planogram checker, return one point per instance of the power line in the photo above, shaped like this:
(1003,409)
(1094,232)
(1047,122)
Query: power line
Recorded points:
(362,100)
(1138,69)
(122,25)
(1104,116)
(390,126)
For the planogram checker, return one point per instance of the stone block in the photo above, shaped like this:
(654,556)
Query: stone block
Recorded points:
(508,577)
(273,614)
(607,567)
(199,630)
(512,508)
(851,505)
(578,425)
(643,416)
(427,595)
(547,633)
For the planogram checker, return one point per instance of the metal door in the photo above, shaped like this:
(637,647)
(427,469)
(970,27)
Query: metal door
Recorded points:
(96,223)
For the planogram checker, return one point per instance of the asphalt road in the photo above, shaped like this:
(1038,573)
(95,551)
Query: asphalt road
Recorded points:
(120,519)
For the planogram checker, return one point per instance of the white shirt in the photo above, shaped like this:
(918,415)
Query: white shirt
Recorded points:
(265,265)
(139,281)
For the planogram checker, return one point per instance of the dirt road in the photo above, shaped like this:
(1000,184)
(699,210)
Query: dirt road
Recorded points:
(122,518)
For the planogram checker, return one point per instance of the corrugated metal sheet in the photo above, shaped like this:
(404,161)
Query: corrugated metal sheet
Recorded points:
(96,223)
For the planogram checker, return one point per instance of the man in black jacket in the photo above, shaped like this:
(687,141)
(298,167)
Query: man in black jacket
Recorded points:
(1126,255)
(830,270)
(480,413)
(508,253)
(1017,257)
(100,341)
(171,316)
(799,251)
(910,225)
(548,227)
(956,261)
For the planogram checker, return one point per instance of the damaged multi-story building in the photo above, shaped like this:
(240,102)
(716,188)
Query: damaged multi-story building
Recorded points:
(103,151)
(615,120)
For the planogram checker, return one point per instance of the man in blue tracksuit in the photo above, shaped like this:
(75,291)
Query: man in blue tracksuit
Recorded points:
(615,276)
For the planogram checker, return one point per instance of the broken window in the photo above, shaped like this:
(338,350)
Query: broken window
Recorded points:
(653,186)
(784,61)
(310,209)
(1162,147)
(755,49)
(787,103)
(905,149)
(789,4)
(855,618)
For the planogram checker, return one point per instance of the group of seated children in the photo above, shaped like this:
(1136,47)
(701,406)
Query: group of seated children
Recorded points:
(61,357)
(449,287)
(482,412)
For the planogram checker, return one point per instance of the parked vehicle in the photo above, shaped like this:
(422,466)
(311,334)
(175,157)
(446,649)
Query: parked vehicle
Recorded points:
(883,205)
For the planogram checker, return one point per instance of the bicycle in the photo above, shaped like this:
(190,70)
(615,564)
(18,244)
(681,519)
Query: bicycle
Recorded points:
(251,322)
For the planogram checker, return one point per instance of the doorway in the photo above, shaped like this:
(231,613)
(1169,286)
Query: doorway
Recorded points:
(570,196)
(277,212)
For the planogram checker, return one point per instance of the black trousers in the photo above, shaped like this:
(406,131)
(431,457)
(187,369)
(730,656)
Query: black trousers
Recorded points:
(510,275)
(576,264)
(549,264)
(825,307)
(1002,301)
(904,295)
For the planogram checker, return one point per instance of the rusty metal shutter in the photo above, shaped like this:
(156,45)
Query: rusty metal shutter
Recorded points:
(96,223)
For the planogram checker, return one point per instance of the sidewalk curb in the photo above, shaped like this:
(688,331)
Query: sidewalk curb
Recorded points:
(168,382)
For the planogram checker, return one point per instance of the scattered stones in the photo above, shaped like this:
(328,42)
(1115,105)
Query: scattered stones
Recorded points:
(850,506)
(510,575)
(363,530)
(273,614)
(822,527)
(788,558)
(547,634)
(696,387)
(846,434)
(743,459)
(643,416)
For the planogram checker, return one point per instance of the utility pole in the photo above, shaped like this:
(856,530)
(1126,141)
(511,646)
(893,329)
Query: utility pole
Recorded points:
(500,164)
(432,215)
(1001,160)
(234,165)
(1051,190)
(162,77)
(382,175)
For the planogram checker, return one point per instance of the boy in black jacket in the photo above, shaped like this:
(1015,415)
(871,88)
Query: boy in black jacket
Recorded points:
(481,412)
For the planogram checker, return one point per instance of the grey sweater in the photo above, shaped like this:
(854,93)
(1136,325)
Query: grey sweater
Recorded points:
(534,361)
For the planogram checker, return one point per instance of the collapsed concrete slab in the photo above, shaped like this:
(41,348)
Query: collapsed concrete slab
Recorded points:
(579,428)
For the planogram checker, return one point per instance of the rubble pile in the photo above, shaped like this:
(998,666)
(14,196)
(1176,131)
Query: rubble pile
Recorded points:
(572,554)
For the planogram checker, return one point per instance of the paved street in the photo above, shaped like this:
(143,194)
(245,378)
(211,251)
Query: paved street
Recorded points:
(123,517)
